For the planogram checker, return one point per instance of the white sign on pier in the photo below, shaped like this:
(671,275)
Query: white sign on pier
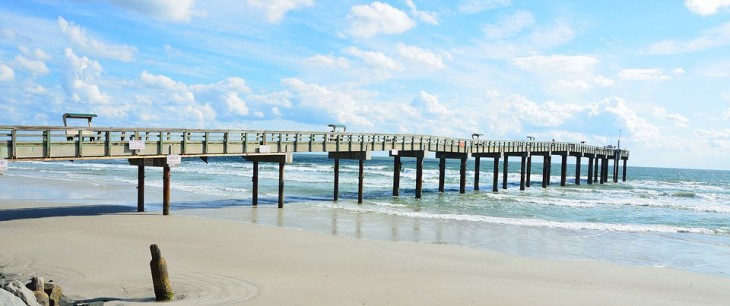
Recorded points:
(173,160)
(136,144)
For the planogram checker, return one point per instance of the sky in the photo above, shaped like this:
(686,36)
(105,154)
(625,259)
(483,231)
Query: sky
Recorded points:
(654,73)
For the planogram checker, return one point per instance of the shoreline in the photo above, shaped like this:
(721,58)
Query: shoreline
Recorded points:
(226,262)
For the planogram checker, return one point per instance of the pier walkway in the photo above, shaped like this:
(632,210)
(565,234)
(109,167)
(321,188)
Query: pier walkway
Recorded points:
(166,147)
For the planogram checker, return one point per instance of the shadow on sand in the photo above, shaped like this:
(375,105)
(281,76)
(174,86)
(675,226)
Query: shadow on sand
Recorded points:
(42,212)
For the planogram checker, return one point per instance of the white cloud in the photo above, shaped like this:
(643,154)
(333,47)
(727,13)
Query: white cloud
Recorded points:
(430,104)
(709,39)
(509,25)
(726,114)
(476,6)
(6,73)
(421,56)
(378,18)
(639,128)
(276,9)
(235,103)
(328,61)
(34,67)
(80,40)
(82,75)
(36,54)
(375,59)
(427,17)
(159,81)
(642,74)
(324,105)
(171,10)
(706,7)
(679,120)
(551,36)
(563,71)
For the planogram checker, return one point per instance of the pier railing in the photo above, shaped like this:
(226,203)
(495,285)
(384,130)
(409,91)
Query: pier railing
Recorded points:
(64,143)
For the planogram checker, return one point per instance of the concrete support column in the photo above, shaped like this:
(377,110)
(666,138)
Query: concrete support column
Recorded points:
(495,179)
(140,187)
(281,184)
(337,180)
(505,169)
(523,168)
(419,177)
(563,168)
(476,172)
(590,170)
(166,190)
(442,173)
(577,170)
(529,171)
(396,175)
(255,180)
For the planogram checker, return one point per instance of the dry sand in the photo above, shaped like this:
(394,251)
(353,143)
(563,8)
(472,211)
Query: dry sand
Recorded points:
(102,253)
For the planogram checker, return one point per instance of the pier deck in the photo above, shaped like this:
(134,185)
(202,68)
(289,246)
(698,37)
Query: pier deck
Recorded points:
(163,147)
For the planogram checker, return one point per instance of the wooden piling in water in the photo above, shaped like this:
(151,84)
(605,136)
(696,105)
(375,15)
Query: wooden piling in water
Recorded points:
(255,187)
(529,170)
(140,187)
(419,177)
(336,190)
(577,169)
(166,190)
(505,166)
(523,168)
(590,170)
(360,178)
(396,175)
(495,175)
(281,184)
(462,176)
(624,170)
(563,168)
(545,171)
(477,160)
(442,173)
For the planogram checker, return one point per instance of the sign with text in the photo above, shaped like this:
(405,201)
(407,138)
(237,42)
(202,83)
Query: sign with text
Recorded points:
(3,165)
(136,144)
(173,160)
(394,152)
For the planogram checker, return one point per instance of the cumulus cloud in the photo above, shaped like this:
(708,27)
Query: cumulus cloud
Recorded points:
(170,10)
(430,104)
(276,9)
(563,71)
(639,128)
(33,66)
(81,78)
(642,74)
(328,61)
(324,105)
(677,119)
(78,37)
(706,7)
(375,59)
(428,59)
(476,6)
(6,73)
(509,25)
(709,39)
(427,17)
(378,18)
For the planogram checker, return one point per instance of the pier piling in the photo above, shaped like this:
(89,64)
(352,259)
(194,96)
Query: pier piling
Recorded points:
(396,175)
(577,169)
(336,182)
(255,183)
(563,168)
(523,168)
(419,176)
(529,169)
(476,172)
(505,166)
(140,187)
(590,170)
(495,176)
(166,190)
(442,173)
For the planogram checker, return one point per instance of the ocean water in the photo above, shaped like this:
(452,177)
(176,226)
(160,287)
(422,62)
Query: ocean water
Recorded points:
(676,218)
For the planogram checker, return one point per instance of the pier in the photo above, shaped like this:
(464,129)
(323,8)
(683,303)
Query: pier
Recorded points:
(149,147)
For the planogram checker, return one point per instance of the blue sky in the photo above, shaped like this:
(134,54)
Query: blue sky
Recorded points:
(656,71)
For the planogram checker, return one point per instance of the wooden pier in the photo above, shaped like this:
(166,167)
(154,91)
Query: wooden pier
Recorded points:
(165,147)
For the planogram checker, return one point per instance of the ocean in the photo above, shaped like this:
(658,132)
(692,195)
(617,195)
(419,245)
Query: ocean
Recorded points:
(677,218)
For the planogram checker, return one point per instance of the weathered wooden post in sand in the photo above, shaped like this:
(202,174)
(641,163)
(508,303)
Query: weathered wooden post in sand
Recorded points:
(160,280)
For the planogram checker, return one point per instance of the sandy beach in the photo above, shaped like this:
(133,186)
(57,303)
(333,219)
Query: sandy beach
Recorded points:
(102,253)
